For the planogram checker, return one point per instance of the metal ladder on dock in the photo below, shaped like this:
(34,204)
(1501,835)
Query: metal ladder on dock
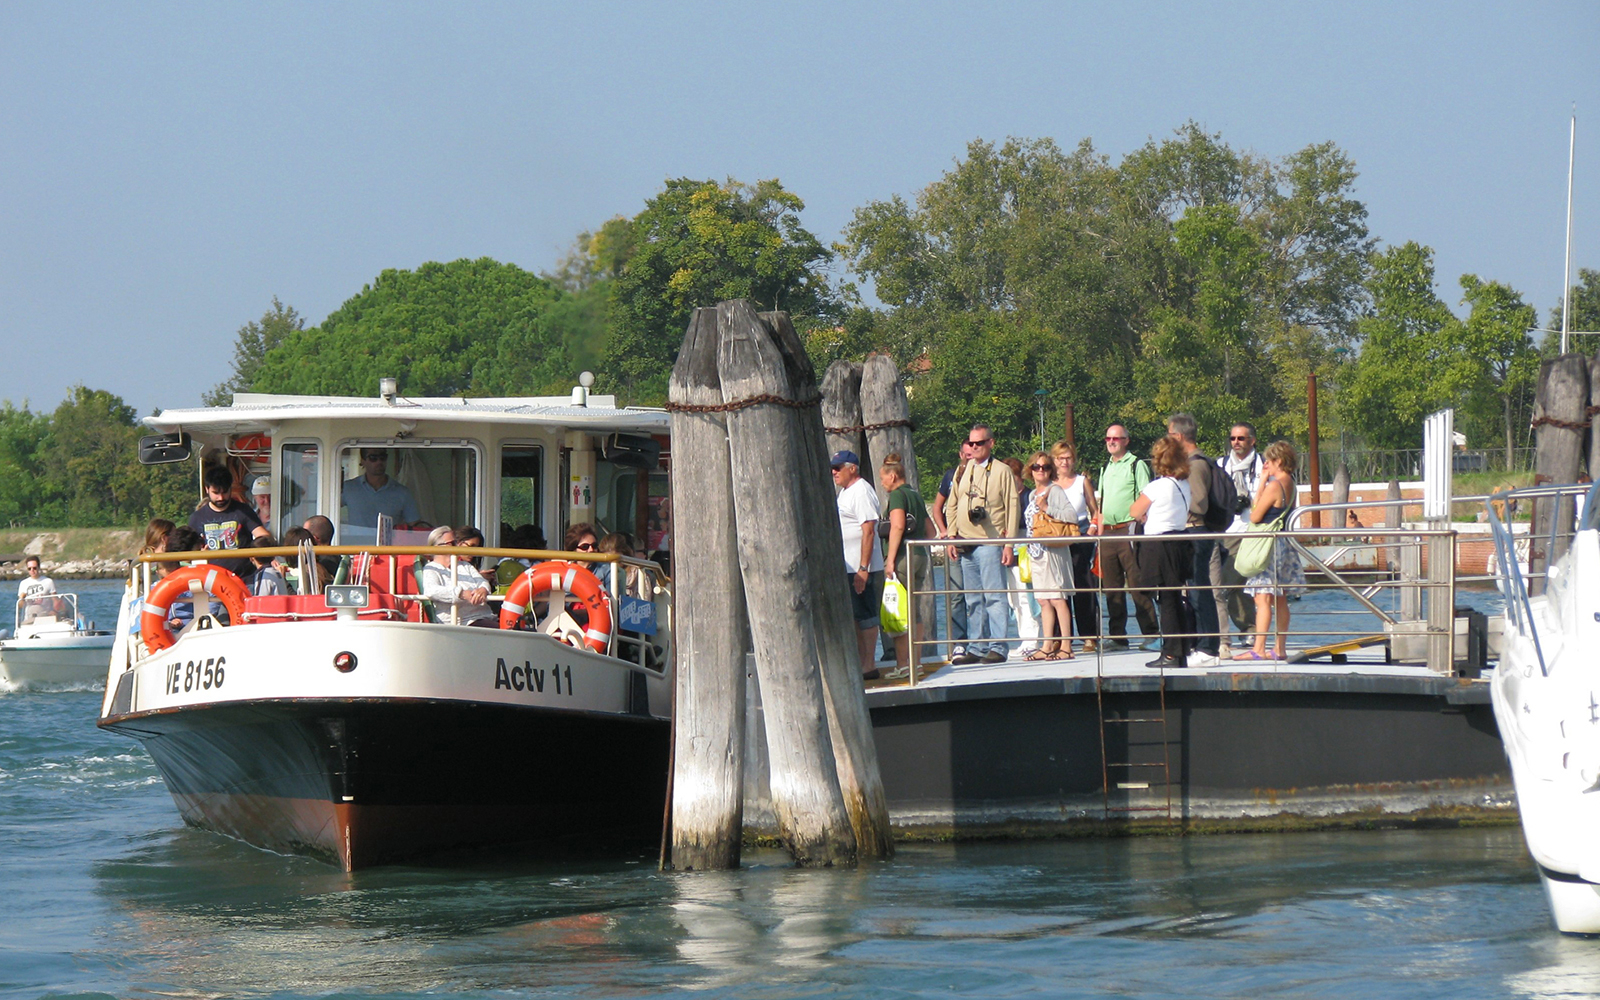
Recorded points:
(1155,773)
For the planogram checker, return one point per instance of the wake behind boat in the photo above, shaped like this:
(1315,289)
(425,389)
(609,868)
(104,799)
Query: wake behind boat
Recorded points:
(363,722)
(1546,695)
(51,646)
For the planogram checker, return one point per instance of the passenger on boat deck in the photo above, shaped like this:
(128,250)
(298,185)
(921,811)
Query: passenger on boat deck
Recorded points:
(466,602)
(261,496)
(621,544)
(224,523)
(469,537)
(269,579)
(33,590)
(374,493)
(186,539)
(291,576)
(524,536)
(321,529)
(155,535)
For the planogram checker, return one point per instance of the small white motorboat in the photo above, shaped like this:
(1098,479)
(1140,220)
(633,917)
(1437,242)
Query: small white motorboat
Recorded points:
(1546,694)
(52,646)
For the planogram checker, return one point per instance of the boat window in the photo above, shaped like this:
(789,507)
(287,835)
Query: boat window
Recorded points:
(298,491)
(521,488)
(616,498)
(421,487)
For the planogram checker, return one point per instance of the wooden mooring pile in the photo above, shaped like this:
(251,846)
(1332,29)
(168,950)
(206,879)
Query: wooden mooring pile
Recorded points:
(758,565)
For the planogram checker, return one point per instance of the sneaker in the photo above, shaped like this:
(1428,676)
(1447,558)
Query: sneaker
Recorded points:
(1164,663)
(1201,658)
(994,656)
(963,659)
(872,675)
(1116,643)
(1150,645)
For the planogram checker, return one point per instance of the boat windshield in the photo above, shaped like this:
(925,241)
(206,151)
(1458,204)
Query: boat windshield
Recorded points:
(298,494)
(47,608)
(421,487)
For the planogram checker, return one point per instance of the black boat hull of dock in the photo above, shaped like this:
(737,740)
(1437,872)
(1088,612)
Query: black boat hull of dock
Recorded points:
(1242,751)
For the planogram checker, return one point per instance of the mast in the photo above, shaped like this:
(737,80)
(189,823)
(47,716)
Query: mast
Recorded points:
(1566,274)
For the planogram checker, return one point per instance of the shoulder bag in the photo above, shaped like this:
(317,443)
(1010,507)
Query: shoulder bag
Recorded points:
(1255,550)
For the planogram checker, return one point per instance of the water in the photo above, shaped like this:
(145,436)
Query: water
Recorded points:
(106,892)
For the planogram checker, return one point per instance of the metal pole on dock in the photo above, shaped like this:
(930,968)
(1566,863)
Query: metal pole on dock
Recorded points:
(1315,470)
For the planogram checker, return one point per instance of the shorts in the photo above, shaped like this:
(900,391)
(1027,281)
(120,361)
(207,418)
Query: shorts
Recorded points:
(866,605)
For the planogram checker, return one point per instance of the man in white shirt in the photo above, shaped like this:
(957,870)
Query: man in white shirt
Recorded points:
(1243,465)
(863,559)
(33,588)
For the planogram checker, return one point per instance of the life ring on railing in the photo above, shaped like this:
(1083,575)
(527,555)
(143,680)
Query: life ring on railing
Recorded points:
(218,582)
(575,579)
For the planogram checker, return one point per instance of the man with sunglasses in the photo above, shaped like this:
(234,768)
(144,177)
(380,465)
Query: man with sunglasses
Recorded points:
(1243,466)
(983,504)
(374,493)
(1121,482)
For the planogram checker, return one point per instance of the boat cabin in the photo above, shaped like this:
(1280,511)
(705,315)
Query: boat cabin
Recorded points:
(508,466)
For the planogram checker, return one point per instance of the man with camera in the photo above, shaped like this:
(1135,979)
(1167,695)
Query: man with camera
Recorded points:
(983,504)
(1243,465)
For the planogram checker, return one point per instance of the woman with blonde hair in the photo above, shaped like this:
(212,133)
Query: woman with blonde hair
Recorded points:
(1086,511)
(907,517)
(1165,566)
(1051,564)
(1284,576)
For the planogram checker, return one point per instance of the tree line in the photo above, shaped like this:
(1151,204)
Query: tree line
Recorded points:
(1187,276)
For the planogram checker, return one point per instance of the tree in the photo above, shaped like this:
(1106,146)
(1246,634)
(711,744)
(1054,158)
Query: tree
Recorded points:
(1410,363)
(1585,299)
(251,345)
(91,476)
(22,437)
(470,327)
(1502,364)
(695,244)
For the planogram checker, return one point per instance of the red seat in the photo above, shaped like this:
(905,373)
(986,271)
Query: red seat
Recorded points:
(311,607)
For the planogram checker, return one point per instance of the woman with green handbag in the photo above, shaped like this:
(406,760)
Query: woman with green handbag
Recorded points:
(907,518)
(1282,576)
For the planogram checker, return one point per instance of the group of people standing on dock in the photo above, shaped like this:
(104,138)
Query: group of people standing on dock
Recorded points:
(1088,540)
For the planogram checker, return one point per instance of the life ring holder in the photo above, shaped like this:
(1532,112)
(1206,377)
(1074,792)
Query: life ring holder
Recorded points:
(573,578)
(216,581)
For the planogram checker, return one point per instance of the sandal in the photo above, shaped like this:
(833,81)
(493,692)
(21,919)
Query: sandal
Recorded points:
(1061,654)
(1250,654)
(1037,655)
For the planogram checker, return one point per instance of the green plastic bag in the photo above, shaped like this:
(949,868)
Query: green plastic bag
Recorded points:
(892,615)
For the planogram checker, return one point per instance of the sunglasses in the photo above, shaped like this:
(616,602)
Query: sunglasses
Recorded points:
(1111,438)
(1245,437)
(980,444)
(1036,467)
(585,546)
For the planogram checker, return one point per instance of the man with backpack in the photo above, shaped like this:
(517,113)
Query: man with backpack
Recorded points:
(1211,509)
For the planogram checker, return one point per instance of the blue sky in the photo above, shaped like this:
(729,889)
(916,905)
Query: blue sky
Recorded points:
(166,169)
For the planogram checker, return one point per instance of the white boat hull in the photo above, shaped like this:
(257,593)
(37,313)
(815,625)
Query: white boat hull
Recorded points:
(1546,694)
(64,660)
(440,737)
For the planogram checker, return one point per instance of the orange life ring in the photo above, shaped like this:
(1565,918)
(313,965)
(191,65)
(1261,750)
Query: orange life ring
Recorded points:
(575,579)
(218,582)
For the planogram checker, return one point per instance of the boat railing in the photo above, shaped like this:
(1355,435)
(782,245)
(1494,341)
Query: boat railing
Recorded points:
(46,608)
(633,582)
(1414,614)
(1518,580)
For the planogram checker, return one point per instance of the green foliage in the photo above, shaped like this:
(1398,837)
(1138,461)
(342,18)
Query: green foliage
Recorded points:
(251,345)
(1189,276)
(470,327)
(695,244)
(22,437)
(1585,299)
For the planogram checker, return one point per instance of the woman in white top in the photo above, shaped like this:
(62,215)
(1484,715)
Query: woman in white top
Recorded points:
(1163,508)
(1086,511)
(466,601)
(1049,566)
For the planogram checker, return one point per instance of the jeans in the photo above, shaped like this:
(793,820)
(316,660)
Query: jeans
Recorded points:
(1202,599)
(954,583)
(986,613)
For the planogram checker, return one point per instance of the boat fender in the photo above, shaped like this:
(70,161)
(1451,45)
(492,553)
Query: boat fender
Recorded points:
(218,582)
(573,578)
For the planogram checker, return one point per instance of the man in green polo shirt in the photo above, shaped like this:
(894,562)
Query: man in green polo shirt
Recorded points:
(1124,476)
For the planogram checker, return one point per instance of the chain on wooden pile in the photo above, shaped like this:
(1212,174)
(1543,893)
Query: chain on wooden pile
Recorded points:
(740,404)
(858,428)
(1566,425)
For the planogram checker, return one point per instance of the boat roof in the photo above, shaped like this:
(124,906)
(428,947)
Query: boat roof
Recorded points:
(263,412)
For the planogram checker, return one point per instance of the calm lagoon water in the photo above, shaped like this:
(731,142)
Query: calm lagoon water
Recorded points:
(102,890)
